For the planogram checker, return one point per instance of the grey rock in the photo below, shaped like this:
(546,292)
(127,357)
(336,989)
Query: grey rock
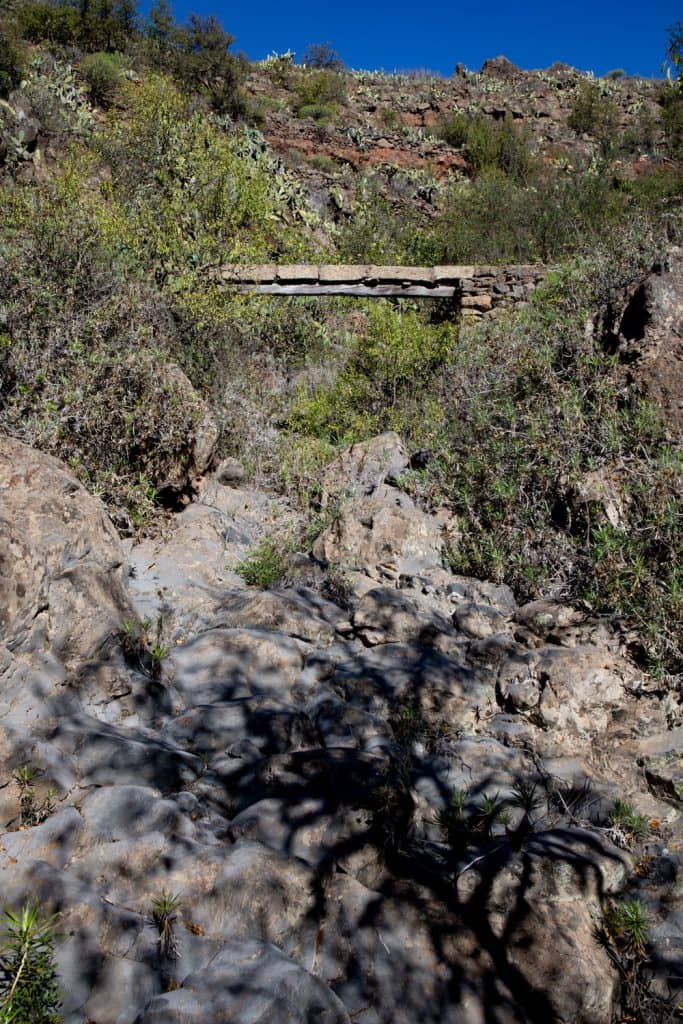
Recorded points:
(384,615)
(248,982)
(230,471)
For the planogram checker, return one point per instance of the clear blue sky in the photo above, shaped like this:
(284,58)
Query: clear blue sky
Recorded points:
(594,36)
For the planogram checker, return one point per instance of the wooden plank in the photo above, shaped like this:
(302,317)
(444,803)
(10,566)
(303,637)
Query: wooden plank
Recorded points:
(378,291)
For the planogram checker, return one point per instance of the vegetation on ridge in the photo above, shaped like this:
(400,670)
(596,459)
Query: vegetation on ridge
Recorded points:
(132,167)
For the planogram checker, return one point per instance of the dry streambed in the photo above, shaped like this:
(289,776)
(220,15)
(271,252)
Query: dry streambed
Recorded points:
(399,810)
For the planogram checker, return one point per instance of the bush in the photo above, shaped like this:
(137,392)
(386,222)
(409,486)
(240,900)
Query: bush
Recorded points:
(672,118)
(103,73)
(316,89)
(593,114)
(389,381)
(317,111)
(49,22)
(322,57)
(265,566)
(455,129)
(201,60)
(10,66)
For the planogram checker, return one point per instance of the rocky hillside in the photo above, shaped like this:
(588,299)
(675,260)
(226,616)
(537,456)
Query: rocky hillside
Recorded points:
(410,132)
(378,791)
(340,639)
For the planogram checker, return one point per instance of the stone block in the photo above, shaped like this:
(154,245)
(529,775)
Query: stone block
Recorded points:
(343,273)
(297,273)
(249,274)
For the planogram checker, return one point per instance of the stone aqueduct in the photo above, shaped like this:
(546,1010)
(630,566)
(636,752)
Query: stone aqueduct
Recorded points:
(475,290)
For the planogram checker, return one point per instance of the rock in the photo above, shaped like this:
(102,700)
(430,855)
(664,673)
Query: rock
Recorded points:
(600,488)
(61,562)
(251,982)
(664,774)
(297,611)
(231,664)
(483,592)
(231,472)
(501,67)
(186,472)
(384,535)
(545,617)
(573,691)
(384,616)
(479,621)
(546,902)
(361,469)
(648,334)
(439,690)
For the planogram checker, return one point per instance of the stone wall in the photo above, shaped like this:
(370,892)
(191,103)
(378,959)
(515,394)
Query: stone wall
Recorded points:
(477,290)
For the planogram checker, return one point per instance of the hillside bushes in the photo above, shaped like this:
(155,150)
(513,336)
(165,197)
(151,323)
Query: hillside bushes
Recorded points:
(10,66)
(388,381)
(528,422)
(110,253)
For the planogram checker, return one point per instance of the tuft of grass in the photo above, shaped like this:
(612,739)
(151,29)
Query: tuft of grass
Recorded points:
(265,566)
(625,818)
(164,907)
(628,923)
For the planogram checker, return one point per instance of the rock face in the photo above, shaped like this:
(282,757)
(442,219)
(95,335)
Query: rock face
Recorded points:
(60,559)
(322,788)
(649,336)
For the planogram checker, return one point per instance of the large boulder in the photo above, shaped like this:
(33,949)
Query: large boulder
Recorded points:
(648,333)
(61,562)
(384,535)
(363,467)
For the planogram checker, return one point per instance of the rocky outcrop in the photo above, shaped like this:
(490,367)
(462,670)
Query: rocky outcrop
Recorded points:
(648,335)
(392,811)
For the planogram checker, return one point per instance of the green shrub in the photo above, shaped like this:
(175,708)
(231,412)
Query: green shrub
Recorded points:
(624,817)
(317,111)
(389,380)
(10,66)
(628,923)
(593,114)
(49,22)
(316,89)
(455,129)
(103,73)
(29,993)
(199,54)
(672,118)
(265,566)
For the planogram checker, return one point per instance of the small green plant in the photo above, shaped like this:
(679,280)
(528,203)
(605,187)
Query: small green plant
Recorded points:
(526,797)
(453,820)
(624,818)
(164,915)
(264,566)
(627,922)
(139,650)
(31,811)
(491,812)
(29,993)
(158,653)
